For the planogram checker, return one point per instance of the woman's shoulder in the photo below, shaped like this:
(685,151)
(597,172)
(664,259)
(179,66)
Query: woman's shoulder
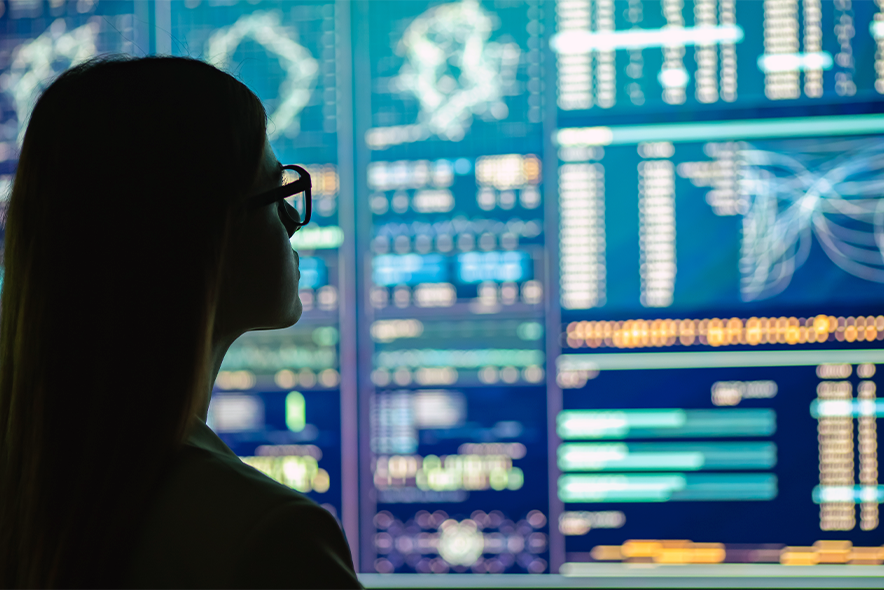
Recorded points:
(295,546)
(218,522)
(233,484)
(224,484)
(207,473)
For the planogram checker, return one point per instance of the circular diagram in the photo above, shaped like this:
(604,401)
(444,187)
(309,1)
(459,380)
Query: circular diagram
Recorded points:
(301,68)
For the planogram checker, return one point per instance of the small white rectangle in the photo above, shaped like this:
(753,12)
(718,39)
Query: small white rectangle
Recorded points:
(439,409)
(236,413)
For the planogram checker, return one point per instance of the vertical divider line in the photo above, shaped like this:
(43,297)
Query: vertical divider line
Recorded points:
(141,28)
(553,311)
(361,122)
(347,280)
(162,27)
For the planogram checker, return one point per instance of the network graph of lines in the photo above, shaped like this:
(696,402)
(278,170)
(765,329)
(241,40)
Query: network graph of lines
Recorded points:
(831,190)
(456,68)
(453,69)
(300,67)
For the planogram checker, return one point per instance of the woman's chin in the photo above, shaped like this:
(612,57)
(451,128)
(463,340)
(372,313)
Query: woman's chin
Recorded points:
(297,310)
(288,318)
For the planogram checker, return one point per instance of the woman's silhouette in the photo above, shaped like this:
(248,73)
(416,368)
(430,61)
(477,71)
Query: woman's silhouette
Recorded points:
(134,256)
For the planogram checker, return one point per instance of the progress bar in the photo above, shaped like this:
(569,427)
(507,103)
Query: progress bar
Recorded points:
(722,130)
(623,575)
(709,360)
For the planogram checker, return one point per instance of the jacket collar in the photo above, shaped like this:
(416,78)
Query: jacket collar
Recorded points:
(201,436)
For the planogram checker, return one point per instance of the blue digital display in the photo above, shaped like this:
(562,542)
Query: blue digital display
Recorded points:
(314,273)
(769,490)
(661,55)
(739,225)
(409,269)
(477,267)
(589,283)
(454,182)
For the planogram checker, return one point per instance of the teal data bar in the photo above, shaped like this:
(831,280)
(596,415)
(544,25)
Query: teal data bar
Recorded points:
(468,359)
(666,456)
(665,423)
(723,130)
(690,487)
(847,408)
(854,494)
(708,360)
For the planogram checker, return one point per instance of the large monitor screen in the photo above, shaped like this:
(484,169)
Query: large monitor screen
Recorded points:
(455,441)
(593,288)
(701,374)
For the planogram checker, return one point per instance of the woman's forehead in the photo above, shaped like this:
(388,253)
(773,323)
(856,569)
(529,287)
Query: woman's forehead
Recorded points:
(272,168)
(268,155)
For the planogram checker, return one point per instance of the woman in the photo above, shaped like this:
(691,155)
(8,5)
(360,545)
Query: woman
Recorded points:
(134,256)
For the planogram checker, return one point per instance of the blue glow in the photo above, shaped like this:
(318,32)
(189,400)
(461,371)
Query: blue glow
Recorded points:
(847,408)
(665,423)
(313,272)
(858,494)
(408,269)
(577,42)
(794,62)
(666,456)
(668,488)
(476,267)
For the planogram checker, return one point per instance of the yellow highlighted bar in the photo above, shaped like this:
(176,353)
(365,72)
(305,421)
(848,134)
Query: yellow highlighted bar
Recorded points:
(661,551)
(676,551)
(832,552)
(718,332)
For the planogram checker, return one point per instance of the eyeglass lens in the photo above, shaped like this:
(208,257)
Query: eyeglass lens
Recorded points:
(298,201)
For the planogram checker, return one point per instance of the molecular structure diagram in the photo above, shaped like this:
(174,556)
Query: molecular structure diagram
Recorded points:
(453,70)
(36,63)
(831,190)
(301,68)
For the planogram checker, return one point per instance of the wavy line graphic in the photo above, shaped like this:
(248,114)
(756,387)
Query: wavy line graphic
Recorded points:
(831,190)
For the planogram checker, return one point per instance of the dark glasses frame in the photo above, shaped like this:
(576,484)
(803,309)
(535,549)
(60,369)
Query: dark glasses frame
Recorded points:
(291,218)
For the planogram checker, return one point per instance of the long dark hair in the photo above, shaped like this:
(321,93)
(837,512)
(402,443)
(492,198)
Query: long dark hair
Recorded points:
(127,185)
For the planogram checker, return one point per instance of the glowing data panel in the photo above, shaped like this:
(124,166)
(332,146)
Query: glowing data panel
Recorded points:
(464,236)
(775,455)
(652,55)
(38,41)
(742,217)
(447,500)
(454,174)
(458,457)
(453,265)
(454,70)
(740,400)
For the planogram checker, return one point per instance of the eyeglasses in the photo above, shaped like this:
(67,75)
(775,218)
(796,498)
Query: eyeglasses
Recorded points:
(295,198)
